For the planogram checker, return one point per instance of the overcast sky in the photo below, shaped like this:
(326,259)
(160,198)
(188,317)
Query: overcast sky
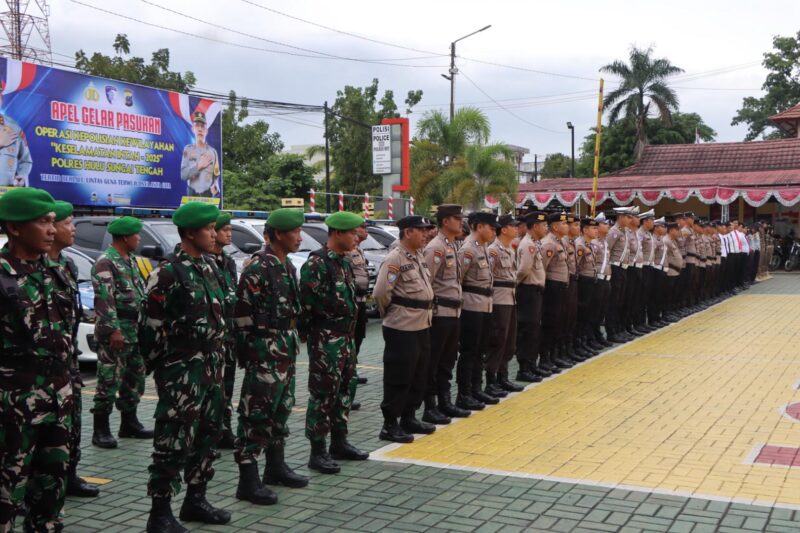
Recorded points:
(718,43)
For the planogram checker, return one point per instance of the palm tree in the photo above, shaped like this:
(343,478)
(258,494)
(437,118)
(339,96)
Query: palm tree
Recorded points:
(643,86)
(470,125)
(484,170)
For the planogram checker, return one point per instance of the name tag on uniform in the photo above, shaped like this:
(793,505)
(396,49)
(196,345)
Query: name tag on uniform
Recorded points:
(406,268)
(482,263)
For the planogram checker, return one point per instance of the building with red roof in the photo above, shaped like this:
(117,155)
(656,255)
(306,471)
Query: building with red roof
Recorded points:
(745,180)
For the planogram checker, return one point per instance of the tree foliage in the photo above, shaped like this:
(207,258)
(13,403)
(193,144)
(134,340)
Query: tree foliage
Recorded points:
(484,170)
(644,87)
(618,141)
(782,88)
(135,69)
(470,125)
(556,166)
(352,114)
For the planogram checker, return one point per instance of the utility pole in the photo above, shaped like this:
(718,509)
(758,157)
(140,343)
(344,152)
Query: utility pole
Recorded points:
(327,164)
(453,70)
(23,21)
(572,163)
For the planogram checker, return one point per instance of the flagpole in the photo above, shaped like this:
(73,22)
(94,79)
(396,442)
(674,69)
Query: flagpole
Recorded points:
(598,133)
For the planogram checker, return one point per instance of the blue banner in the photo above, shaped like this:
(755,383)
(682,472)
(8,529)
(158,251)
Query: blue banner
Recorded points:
(98,142)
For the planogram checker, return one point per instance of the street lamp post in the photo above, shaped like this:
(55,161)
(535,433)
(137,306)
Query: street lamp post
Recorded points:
(572,165)
(453,70)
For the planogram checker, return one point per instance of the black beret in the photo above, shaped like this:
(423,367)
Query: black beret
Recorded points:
(449,210)
(589,222)
(535,217)
(414,221)
(506,220)
(479,217)
(557,217)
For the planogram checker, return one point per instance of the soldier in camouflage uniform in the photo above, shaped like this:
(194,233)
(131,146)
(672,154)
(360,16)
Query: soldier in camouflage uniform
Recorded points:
(65,236)
(267,309)
(118,295)
(36,346)
(327,292)
(181,335)
(228,279)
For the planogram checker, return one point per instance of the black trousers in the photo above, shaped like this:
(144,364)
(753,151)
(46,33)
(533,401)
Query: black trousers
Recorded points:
(570,312)
(587,288)
(529,324)
(444,352)
(405,366)
(602,295)
(652,306)
(502,338)
(361,325)
(619,278)
(672,298)
(633,287)
(553,306)
(474,343)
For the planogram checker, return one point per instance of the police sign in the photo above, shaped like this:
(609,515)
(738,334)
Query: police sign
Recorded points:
(382,149)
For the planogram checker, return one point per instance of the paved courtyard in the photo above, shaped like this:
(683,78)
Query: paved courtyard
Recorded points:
(693,428)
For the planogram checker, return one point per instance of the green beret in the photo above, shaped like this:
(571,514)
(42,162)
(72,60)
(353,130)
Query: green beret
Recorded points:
(286,219)
(223,220)
(25,203)
(124,226)
(63,210)
(344,221)
(193,215)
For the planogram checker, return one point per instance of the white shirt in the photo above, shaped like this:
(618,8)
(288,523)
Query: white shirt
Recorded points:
(742,239)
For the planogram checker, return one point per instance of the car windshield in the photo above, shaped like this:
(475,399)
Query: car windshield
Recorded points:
(383,237)
(371,244)
(169,232)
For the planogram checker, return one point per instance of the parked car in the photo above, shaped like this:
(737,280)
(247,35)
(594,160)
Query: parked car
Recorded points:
(383,235)
(87,343)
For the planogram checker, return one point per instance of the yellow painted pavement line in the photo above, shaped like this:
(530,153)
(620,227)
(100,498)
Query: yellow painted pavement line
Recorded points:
(97,480)
(679,411)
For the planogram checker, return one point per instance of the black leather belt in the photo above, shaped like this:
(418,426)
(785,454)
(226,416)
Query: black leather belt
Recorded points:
(690,254)
(530,287)
(588,279)
(36,365)
(452,303)
(505,283)
(412,303)
(128,314)
(483,291)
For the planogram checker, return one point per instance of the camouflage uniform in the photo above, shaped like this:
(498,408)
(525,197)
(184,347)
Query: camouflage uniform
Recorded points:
(35,390)
(327,292)
(181,336)
(267,308)
(226,273)
(118,296)
(75,373)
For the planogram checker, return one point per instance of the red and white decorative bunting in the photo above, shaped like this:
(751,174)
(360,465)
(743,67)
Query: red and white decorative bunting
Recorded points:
(341,201)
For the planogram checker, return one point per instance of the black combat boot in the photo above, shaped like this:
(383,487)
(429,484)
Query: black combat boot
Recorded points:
(477,392)
(504,383)
(131,428)
(355,406)
(319,459)
(492,388)
(432,413)
(362,380)
(196,508)
(465,400)
(342,450)
(101,436)
(447,408)
(277,472)
(250,487)
(162,520)
(226,440)
(411,424)
(77,486)
(392,432)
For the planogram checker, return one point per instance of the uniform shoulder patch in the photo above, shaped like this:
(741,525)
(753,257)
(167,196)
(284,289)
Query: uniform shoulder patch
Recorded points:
(493,253)
(393,268)
(580,252)
(438,253)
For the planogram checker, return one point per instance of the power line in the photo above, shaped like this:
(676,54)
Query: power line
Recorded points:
(239,45)
(341,32)
(507,110)
(279,43)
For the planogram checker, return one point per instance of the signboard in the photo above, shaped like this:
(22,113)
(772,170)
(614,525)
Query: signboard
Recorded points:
(382,149)
(292,202)
(98,142)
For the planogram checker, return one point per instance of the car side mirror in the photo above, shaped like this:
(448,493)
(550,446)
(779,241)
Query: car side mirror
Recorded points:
(250,247)
(152,251)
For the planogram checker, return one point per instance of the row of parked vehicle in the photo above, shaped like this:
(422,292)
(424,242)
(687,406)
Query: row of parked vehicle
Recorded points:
(159,237)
